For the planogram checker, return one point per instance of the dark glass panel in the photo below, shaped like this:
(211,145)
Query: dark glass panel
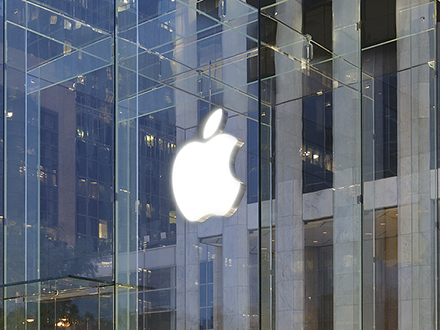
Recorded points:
(210,295)
(158,278)
(378,21)
(209,318)
(159,300)
(253,278)
(318,241)
(203,296)
(380,60)
(318,23)
(203,273)
(203,319)
(210,271)
(387,291)
(317,150)
(385,112)
(157,321)
(252,158)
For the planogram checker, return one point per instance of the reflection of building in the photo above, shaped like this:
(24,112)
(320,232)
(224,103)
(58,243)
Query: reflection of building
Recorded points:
(94,160)
(157,214)
(336,103)
(82,170)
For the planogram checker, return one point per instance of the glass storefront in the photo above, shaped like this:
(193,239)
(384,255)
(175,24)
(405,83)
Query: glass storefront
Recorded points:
(331,107)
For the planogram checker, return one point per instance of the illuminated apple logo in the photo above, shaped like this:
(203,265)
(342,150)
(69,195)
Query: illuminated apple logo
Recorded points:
(204,180)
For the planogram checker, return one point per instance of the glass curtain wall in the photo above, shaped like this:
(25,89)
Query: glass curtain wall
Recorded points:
(99,96)
(349,237)
(177,62)
(58,175)
(334,104)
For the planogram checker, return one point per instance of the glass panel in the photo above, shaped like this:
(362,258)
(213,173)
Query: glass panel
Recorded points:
(347,166)
(330,109)
(312,90)
(176,63)
(126,181)
(318,241)
(354,146)
(62,302)
(58,177)
(63,117)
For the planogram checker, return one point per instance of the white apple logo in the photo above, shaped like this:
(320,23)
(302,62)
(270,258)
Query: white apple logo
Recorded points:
(203,179)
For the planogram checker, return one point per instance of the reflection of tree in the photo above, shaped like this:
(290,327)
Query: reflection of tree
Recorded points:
(57,258)
(16,319)
(60,259)
(60,313)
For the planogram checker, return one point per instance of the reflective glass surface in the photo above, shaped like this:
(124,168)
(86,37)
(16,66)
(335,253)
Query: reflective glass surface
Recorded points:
(330,125)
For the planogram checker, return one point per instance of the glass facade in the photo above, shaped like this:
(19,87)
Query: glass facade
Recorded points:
(335,107)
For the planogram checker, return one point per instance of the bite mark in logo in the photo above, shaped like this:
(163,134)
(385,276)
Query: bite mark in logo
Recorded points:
(204,180)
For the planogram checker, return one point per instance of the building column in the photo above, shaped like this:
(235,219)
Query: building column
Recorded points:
(235,250)
(289,230)
(416,179)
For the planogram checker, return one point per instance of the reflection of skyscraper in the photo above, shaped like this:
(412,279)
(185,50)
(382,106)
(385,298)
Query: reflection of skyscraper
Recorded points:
(48,183)
(80,120)
(49,169)
(94,160)
(157,145)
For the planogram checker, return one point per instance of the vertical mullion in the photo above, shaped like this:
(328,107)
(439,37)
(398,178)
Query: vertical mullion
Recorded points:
(26,169)
(116,166)
(4,157)
(26,165)
(436,160)
(136,251)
